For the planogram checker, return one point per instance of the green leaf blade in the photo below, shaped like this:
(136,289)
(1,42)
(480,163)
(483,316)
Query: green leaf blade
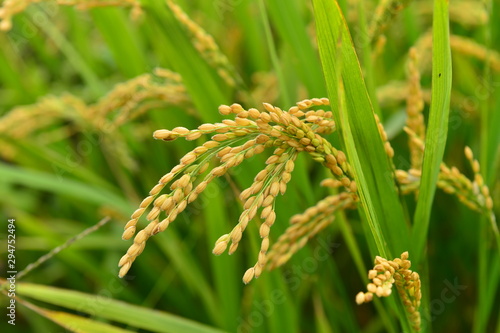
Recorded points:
(437,129)
(380,202)
(153,320)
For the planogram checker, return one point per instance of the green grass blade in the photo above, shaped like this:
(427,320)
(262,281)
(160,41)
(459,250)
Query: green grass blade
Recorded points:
(488,277)
(74,323)
(203,84)
(437,129)
(136,316)
(271,46)
(290,25)
(186,266)
(380,203)
(120,38)
(68,187)
(365,49)
(59,163)
(254,37)
(74,58)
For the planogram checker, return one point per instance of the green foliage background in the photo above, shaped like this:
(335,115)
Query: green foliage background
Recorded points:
(69,175)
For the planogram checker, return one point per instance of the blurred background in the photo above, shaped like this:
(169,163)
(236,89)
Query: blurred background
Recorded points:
(83,85)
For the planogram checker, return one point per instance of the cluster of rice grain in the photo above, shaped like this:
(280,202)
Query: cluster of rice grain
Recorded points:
(307,225)
(384,274)
(475,194)
(54,118)
(289,133)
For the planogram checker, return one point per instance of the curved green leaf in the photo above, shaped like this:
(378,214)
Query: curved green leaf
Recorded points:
(107,308)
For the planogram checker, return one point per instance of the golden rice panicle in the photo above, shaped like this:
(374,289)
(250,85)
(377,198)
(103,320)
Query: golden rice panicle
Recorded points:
(303,128)
(334,183)
(172,204)
(184,188)
(458,44)
(387,145)
(392,93)
(31,121)
(305,226)
(298,129)
(279,174)
(167,202)
(308,103)
(301,133)
(227,130)
(68,112)
(234,140)
(475,194)
(320,121)
(136,248)
(384,274)
(418,144)
(414,109)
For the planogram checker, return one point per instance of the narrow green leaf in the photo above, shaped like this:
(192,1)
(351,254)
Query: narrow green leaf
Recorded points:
(52,183)
(271,46)
(353,111)
(123,43)
(111,309)
(74,58)
(202,82)
(437,129)
(74,323)
(291,27)
(186,266)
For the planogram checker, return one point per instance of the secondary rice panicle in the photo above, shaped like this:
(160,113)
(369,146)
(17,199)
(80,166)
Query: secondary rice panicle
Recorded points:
(307,225)
(475,194)
(384,274)
(55,118)
(468,46)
